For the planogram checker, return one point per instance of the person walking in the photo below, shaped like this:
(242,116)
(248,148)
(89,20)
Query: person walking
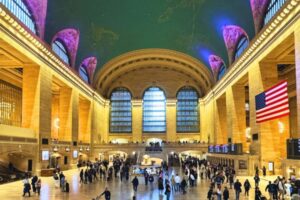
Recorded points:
(247,187)
(33,181)
(81,176)
(264,171)
(231,180)
(210,193)
(256,180)
(67,186)
(270,190)
(177,181)
(168,190)
(106,194)
(146,176)
(237,188)
(38,186)
(27,187)
(281,188)
(135,183)
(225,193)
(183,185)
(219,192)
(173,183)
(160,185)
(257,193)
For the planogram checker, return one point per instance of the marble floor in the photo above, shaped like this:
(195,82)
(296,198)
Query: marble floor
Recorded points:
(119,190)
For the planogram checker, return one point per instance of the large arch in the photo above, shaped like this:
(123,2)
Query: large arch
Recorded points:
(167,69)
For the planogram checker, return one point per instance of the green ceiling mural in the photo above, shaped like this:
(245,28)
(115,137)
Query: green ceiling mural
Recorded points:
(109,28)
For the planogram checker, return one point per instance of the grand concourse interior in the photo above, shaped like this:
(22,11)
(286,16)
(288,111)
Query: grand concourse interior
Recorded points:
(95,80)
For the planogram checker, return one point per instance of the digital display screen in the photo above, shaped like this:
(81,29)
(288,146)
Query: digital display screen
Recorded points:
(75,154)
(45,155)
(217,149)
(211,149)
(225,148)
(233,149)
(297,152)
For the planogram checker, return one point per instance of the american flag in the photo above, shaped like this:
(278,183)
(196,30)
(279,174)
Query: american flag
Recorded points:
(272,103)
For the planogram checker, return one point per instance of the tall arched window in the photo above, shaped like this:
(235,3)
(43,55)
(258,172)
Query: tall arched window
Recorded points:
(83,74)
(240,48)
(221,72)
(20,10)
(120,111)
(154,110)
(187,110)
(273,8)
(61,51)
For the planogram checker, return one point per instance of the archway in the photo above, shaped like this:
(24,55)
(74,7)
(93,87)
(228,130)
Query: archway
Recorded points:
(55,160)
(191,153)
(119,141)
(151,161)
(116,155)
(153,141)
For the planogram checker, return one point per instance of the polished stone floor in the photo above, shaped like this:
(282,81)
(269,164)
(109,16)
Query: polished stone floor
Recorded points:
(120,190)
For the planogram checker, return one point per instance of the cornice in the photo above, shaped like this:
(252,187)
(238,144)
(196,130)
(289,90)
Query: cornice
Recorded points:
(15,30)
(288,14)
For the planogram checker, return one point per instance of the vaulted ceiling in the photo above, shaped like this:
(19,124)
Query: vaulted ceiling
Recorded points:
(109,28)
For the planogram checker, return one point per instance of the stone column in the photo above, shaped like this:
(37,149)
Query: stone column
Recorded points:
(105,121)
(137,120)
(97,122)
(36,100)
(36,105)
(171,119)
(203,132)
(65,114)
(75,115)
(261,77)
(297,71)
(84,123)
(221,121)
(236,114)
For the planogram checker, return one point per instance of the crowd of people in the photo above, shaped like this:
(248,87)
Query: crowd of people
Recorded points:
(35,184)
(222,179)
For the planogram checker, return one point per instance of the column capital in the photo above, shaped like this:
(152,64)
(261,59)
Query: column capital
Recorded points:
(171,102)
(137,102)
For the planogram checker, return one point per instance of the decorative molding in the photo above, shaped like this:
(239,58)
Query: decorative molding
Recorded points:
(153,58)
(171,102)
(287,14)
(12,28)
(137,102)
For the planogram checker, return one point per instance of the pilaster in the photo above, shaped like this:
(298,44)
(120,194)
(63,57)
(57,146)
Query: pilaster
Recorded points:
(137,120)
(171,119)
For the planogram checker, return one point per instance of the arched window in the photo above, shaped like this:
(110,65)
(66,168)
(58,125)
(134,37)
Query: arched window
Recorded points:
(240,48)
(221,72)
(273,8)
(154,110)
(83,74)
(120,111)
(187,110)
(61,51)
(20,10)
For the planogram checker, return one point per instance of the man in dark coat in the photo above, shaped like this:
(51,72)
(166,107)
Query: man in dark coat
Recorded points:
(135,183)
(106,194)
